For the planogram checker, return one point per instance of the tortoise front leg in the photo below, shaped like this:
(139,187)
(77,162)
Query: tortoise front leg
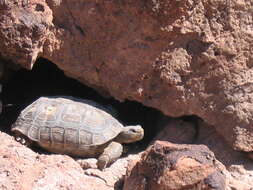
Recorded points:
(110,154)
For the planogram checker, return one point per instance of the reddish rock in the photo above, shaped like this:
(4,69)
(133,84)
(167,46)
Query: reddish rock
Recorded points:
(237,166)
(238,171)
(176,131)
(181,57)
(24,29)
(23,169)
(165,166)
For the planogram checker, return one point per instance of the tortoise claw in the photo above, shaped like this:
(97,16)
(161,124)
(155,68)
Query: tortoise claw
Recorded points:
(22,140)
(110,154)
(103,162)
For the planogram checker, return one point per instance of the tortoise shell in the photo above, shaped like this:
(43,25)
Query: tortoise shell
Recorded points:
(68,125)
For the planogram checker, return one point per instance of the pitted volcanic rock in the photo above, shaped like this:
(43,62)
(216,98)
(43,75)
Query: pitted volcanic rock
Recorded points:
(181,57)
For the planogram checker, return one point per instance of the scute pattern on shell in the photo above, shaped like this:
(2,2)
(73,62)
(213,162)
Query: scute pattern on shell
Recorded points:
(67,122)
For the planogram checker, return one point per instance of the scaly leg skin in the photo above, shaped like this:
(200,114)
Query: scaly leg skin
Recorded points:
(112,152)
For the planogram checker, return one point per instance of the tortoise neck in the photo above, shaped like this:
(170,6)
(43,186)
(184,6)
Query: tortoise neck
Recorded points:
(120,138)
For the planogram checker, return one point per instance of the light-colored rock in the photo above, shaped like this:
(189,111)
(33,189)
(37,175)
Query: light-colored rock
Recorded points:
(23,169)
(114,175)
(87,163)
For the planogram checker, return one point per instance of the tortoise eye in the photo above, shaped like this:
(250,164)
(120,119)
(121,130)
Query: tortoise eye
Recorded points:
(133,130)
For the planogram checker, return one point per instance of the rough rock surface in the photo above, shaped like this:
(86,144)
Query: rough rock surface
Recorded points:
(191,57)
(24,28)
(23,169)
(176,131)
(172,166)
(188,57)
(239,168)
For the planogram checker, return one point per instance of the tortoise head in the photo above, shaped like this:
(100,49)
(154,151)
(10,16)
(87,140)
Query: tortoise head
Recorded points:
(130,134)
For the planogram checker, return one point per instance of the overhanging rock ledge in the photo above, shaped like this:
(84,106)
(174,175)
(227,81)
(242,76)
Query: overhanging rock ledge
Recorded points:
(189,57)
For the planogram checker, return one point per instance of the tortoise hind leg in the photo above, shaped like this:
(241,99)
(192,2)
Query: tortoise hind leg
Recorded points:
(112,152)
(23,140)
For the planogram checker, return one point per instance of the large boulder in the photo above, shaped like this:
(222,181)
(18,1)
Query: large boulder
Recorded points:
(239,168)
(181,57)
(165,166)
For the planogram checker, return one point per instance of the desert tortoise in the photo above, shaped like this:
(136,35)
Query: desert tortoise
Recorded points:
(75,127)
